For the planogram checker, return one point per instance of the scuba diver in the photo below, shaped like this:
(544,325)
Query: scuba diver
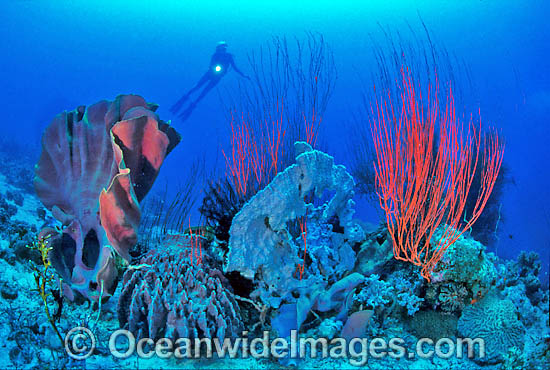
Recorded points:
(220,63)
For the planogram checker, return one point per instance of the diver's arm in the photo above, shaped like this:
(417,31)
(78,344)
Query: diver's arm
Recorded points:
(237,69)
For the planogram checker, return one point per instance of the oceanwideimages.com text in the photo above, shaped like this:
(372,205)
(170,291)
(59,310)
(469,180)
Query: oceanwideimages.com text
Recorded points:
(123,344)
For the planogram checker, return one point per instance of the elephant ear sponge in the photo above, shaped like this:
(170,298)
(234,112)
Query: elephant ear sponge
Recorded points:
(97,164)
(494,320)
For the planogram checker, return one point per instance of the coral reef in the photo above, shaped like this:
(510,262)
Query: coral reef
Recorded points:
(465,274)
(97,164)
(261,246)
(519,282)
(297,260)
(465,262)
(495,321)
(424,165)
(386,295)
(338,297)
(355,326)
(525,271)
(167,296)
(328,301)
(375,293)
(375,253)
(16,232)
(14,168)
(433,324)
(452,297)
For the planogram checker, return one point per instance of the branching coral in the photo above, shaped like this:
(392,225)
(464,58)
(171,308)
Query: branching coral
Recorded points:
(219,205)
(427,60)
(284,102)
(291,82)
(425,164)
(430,166)
(377,293)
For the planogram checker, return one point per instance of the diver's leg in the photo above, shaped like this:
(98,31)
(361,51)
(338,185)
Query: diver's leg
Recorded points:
(177,106)
(206,90)
(204,79)
(193,104)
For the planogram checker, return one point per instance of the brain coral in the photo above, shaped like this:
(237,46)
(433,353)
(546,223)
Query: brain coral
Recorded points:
(494,320)
(167,296)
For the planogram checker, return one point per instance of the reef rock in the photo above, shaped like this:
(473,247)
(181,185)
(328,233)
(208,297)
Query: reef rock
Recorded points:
(464,264)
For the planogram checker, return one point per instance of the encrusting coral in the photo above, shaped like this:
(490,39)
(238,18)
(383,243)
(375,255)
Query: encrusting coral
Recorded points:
(97,164)
(464,275)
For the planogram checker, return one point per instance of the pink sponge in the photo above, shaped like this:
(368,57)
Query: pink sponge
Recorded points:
(97,164)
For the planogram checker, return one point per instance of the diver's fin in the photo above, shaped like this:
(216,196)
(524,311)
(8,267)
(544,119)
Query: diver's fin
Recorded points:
(186,113)
(177,106)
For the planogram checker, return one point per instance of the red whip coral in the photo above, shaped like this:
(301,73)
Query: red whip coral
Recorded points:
(425,164)
(256,150)
(97,164)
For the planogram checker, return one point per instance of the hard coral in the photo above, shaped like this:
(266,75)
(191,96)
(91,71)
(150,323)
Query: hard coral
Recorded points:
(167,296)
(453,297)
(433,324)
(495,321)
(97,164)
(466,264)
(395,292)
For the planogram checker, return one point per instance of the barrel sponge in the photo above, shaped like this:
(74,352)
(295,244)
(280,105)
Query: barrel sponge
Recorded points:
(169,296)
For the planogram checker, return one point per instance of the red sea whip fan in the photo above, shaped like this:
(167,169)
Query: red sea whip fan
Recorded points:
(425,164)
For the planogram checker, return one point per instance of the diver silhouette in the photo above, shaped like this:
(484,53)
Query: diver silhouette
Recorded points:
(220,64)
